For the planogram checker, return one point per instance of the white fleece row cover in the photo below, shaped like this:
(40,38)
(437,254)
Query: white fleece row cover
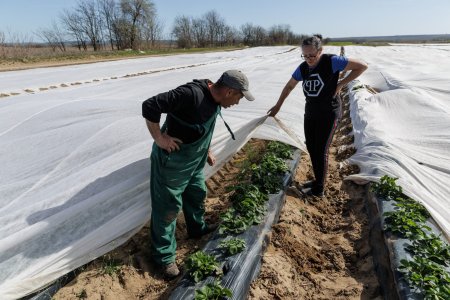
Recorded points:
(74,176)
(404,130)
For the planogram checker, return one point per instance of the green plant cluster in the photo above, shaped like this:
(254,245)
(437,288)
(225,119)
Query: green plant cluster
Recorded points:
(233,246)
(232,223)
(259,176)
(248,209)
(426,271)
(408,219)
(201,265)
(110,266)
(212,291)
(387,188)
(431,247)
(280,150)
(259,179)
(427,277)
(267,175)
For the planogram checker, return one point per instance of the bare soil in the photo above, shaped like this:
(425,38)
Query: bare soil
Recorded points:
(320,247)
(318,250)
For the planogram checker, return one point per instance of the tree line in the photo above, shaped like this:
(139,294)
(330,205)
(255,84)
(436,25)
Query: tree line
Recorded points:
(134,24)
(211,30)
(100,24)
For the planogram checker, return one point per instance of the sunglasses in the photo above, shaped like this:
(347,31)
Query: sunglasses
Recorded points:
(308,56)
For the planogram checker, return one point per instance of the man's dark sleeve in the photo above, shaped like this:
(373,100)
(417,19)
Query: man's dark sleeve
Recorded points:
(167,102)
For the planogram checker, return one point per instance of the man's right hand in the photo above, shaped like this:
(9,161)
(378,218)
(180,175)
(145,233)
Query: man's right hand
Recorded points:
(168,143)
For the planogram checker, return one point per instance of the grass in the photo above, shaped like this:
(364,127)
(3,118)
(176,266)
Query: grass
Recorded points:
(340,43)
(44,55)
(370,44)
(110,266)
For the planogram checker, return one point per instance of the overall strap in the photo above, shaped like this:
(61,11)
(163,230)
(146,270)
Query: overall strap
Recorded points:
(226,125)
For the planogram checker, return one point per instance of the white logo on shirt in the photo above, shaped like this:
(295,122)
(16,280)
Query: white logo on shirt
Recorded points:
(313,85)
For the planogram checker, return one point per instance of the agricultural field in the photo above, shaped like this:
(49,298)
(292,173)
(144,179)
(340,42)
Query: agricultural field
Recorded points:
(75,171)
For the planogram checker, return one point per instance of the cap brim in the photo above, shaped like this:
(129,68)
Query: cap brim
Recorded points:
(248,95)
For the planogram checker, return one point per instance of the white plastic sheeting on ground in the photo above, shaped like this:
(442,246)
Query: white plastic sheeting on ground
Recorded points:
(74,162)
(45,78)
(74,176)
(404,131)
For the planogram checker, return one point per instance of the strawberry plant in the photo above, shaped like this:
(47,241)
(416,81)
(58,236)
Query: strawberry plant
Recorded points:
(406,224)
(201,265)
(233,246)
(267,174)
(412,205)
(431,247)
(406,221)
(387,188)
(280,150)
(248,209)
(425,272)
(251,211)
(249,202)
(212,291)
(232,223)
(248,191)
(427,277)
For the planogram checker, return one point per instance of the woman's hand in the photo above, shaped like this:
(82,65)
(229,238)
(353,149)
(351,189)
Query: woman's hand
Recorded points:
(338,89)
(273,111)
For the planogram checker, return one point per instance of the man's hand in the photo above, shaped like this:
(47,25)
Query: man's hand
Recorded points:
(211,159)
(168,143)
(273,111)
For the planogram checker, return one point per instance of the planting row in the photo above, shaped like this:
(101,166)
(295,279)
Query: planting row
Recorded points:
(420,255)
(230,260)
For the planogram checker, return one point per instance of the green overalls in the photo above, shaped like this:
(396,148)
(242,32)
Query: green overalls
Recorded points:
(177,182)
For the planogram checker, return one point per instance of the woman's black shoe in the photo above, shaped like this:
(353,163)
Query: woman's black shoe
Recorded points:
(308,184)
(312,192)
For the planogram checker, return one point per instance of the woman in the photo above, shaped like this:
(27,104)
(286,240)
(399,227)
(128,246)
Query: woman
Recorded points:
(320,74)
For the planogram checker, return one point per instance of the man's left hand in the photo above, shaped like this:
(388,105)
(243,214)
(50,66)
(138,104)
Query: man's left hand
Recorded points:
(211,158)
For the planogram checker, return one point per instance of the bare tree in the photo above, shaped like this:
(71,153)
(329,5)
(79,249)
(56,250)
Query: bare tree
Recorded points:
(253,35)
(152,30)
(2,38)
(279,34)
(108,13)
(199,32)
(91,22)
(2,44)
(53,36)
(182,30)
(121,29)
(136,11)
(230,36)
(70,21)
(215,26)
(260,35)
(247,33)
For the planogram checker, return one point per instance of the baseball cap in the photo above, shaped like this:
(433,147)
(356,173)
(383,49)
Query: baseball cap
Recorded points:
(235,79)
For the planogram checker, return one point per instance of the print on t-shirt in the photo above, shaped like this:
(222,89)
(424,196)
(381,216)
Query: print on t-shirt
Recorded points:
(313,85)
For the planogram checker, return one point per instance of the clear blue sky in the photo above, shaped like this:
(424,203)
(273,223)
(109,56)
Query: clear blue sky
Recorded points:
(332,18)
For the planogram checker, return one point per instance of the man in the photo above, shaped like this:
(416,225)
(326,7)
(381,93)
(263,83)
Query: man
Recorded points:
(180,151)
